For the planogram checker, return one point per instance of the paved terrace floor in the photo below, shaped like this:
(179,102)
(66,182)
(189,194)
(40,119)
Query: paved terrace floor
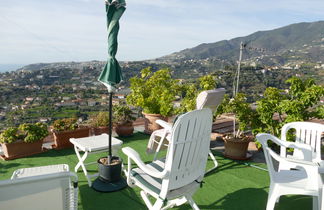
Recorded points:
(233,185)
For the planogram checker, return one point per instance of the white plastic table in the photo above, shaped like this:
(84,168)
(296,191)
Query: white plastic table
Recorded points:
(92,144)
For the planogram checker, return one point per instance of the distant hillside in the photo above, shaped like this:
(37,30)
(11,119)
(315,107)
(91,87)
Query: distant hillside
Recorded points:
(301,40)
(297,48)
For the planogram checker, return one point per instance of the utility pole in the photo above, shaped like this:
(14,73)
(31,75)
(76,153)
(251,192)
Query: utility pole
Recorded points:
(235,88)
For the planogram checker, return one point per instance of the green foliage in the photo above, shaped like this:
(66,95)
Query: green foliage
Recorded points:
(122,114)
(66,124)
(188,102)
(154,92)
(267,107)
(191,91)
(207,82)
(320,112)
(9,135)
(243,112)
(100,119)
(222,108)
(277,108)
(33,132)
(27,132)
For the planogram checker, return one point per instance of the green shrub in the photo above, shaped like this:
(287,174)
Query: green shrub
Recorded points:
(190,92)
(67,124)
(26,132)
(99,120)
(9,135)
(122,114)
(154,92)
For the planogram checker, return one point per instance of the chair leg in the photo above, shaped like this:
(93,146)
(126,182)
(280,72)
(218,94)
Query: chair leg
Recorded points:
(192,202)
(159,145)
(175,202)
(316,203)
(214,160)
(157,205)
(273,197)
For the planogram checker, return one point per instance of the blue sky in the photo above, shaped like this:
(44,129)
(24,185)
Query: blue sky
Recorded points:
(33,31)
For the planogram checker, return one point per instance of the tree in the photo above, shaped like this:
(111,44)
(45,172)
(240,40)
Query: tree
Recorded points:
(278,108)
(191,91)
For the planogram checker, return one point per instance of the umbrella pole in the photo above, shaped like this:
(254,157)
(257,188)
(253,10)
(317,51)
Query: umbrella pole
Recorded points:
(110,128)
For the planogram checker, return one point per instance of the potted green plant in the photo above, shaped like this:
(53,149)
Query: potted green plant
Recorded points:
(64,129)
(99,123)
(23,141)
(190,91)
(154,93)
(123,120)
(236,143)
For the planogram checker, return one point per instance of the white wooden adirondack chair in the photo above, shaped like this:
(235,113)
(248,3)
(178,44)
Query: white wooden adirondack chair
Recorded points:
(173,181)
(291,181)
(159,138)
(305,133)
(50,187)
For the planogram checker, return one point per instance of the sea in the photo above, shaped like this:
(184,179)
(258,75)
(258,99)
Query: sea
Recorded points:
(10,67)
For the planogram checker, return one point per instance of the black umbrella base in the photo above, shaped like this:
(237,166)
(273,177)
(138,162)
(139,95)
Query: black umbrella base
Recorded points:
(104,186)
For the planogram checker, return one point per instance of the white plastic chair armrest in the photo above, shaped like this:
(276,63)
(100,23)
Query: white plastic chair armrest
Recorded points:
(290,160)
(310,168)
(136,158)
(305,148)
(164,124)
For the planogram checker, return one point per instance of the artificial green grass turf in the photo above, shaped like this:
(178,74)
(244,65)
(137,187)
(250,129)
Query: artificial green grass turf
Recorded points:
(232,185)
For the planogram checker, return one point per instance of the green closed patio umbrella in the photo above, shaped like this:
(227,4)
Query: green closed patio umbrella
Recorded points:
(111,74)
(110,179)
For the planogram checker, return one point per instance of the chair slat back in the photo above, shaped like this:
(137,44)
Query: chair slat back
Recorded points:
(307,133)
(188,150)
(210,99)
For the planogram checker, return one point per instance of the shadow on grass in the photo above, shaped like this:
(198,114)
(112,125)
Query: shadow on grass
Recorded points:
(248,198)
(296,202)
(123,199)
(136,136)
(53,153)
(4,167)
(226,163)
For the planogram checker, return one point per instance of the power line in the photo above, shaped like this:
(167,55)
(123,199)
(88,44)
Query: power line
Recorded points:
(43,41)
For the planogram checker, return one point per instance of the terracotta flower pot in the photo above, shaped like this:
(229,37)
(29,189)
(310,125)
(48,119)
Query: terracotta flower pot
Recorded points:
(62,139)
(101,130)
(150,125)
(21,149)
(236,149)
(124,130)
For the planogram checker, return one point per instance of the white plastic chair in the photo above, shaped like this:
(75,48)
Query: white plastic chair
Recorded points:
(306,133)
(48,187)
(161,138)
(172,181)
(291,181)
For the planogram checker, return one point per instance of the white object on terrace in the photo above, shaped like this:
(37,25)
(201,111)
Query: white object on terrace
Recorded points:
(305,133)
(50,187)
(172,181)
(92,145)
(291,181)
(161,138)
